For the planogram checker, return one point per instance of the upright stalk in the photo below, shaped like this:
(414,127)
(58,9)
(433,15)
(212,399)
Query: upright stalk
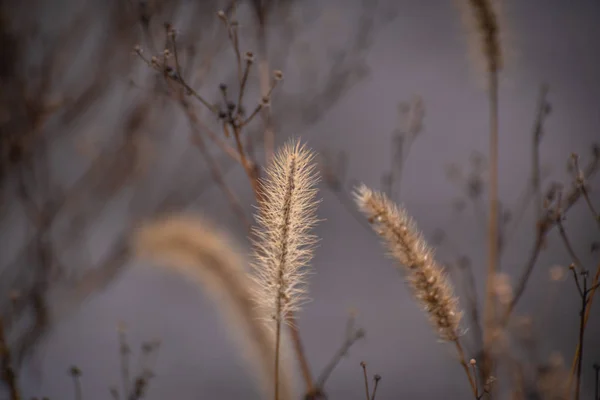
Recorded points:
(277,342)
(490,309)
(597,383)
(584,297)
(6,365)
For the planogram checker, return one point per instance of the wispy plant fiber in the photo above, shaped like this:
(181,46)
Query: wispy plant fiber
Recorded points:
(196,250)
(283,242)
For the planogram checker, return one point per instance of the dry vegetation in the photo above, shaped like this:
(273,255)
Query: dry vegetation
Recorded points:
(164,73)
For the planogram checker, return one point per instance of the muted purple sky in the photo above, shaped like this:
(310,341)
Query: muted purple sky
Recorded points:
(422,51)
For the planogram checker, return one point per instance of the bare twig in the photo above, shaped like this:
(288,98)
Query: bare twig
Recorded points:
(364,368)
(376,379)
(463,362)
(597,381)
(75,373)
(544,226)
(124,353)
(300,354)
(580,183)
(8,373)
(472,300)
(351,338)
(592,292)
(563,234)
(542,108)
(216,171)
(584,295)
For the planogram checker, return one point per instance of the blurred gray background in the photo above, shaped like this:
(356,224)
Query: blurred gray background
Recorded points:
(422,51)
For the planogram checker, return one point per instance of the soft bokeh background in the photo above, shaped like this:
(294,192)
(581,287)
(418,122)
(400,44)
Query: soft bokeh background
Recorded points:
(422,51)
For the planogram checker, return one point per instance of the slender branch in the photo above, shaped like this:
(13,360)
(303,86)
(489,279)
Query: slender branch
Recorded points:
(124,352)
(537,138)
(300,354)
(586,196)
(593,288)
(493,232)
(576,279)
(77,387)
(473,303)
(567,242)
(597,382)
(544,226)
(341,353)
(581,333)
(250,170)
(269,134)
(251,117)
(174,76)
(8,373)
(376,379)
(75,373)
(364,368)
(232,34)
(588,310)
(244,80)
(473,362)
(234,201)
(463,362)
(215,170)
(580,182)
(226,148)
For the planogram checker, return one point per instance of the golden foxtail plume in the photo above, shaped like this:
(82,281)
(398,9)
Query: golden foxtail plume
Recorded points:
(425,276)
(196,250)
(406,245)
(283,243)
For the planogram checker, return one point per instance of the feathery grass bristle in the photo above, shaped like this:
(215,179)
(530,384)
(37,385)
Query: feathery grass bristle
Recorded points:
(283,242)
(425,276)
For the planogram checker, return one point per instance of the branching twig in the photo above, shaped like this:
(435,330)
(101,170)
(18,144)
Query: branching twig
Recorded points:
(588,308)
(351,338)
(584,295)
(463,361)
(580,183)
(544,226)
(566,241)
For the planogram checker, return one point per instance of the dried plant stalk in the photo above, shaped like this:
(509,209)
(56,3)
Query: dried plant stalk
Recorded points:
(283,242)
(482,19)
(428,281)
(406,245)
(483,16)
(196,250)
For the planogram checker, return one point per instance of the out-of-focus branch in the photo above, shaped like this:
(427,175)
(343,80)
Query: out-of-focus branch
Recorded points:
(542,111)
(234,202)
(6,364)
(545,225)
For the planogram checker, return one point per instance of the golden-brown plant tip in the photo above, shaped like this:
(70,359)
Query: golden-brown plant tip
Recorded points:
(283,243)
(425,276)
